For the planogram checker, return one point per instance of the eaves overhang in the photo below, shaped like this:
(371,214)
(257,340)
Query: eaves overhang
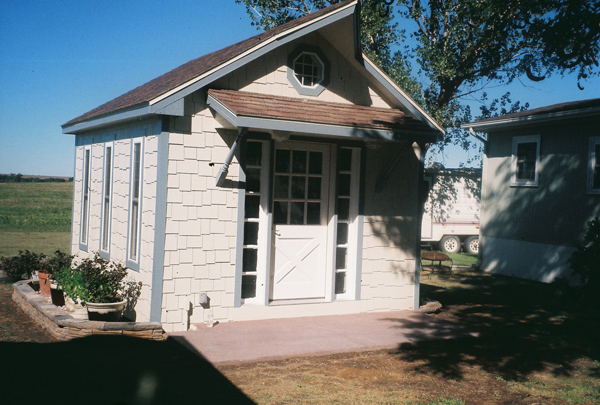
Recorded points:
(500,123)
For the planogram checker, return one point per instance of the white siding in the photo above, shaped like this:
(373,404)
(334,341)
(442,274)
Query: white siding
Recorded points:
(121,139)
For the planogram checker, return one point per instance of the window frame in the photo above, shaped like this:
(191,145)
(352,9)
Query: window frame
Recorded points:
(135,228)
(316,88)
(516,141)
(593,164)
(86,180)
(107,200)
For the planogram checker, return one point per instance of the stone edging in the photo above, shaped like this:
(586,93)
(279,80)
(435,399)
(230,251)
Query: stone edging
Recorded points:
(63,326)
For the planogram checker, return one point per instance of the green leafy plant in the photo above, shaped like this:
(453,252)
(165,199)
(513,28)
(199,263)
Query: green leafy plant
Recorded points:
(21,266)
(585,262)
(96,279)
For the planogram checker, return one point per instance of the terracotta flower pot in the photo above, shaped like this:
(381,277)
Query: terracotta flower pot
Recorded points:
(44,284)
(105,311)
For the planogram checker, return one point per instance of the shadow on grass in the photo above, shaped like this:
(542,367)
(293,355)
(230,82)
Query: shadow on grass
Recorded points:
(526,327)
(111,370)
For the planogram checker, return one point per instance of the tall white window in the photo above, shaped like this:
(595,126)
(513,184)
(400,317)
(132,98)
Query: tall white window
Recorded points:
(135,196)
(594,166)
(106,198)
(85,197)
(525,161)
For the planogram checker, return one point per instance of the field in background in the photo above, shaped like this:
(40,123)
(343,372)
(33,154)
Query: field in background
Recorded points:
(35,216)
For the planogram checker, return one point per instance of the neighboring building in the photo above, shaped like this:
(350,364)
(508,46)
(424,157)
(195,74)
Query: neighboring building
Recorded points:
(540,187)
(296,126)
(451,218)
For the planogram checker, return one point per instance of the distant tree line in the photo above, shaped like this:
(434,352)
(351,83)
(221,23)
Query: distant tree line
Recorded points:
(19,178)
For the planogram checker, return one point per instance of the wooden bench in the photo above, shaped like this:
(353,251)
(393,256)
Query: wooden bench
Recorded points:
(436,257)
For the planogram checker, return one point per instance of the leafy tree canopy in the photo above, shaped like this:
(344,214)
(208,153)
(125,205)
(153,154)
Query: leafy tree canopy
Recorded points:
(460,46)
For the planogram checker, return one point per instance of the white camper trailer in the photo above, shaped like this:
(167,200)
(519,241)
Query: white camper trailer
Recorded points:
(451,217)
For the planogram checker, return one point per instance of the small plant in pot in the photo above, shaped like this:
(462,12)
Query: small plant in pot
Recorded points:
(106,292)
(49,265)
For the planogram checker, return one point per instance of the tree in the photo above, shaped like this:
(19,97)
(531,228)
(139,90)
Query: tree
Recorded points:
(460,47)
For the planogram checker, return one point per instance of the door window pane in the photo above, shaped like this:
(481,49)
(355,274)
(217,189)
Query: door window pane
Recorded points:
(280,212)
(345,159)
(298,187)
(313,213)
(254,153)
(282,161)
(253,180)
(344,185)
(248,286)
(314,188)
(252,206)
(315,163)
(342,233)
(249,259)
(251,233)
(297,213)
(281,187)
(299,161)
(343,208)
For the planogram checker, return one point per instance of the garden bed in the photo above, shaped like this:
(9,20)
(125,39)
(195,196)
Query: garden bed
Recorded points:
(63,326)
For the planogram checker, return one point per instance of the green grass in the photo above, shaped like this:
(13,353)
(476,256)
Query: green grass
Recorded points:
(458,259)
(35,216)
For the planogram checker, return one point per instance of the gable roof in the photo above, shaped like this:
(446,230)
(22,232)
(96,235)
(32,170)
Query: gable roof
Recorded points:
(552,112)
(148,92)
(245,109)
(165,94)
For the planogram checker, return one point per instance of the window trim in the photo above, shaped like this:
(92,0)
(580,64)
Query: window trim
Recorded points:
(593,160)
(134,263)
(516,141)
(107,190)
(317,88)
(84,219)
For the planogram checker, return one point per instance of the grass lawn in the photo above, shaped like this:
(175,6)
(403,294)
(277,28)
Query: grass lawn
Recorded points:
(35,216)
(537,346)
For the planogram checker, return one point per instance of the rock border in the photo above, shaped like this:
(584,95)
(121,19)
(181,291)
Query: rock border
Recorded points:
(64,327)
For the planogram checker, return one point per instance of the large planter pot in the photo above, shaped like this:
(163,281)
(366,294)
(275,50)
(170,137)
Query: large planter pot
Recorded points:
(44,284)
(75,308)
(105,311)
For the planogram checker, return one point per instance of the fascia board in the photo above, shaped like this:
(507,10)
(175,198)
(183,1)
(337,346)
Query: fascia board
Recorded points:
(531,119)
(271,124)
(137,112)
(403,98)
(255,53)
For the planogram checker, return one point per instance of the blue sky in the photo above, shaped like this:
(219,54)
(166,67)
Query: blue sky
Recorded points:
(62,58)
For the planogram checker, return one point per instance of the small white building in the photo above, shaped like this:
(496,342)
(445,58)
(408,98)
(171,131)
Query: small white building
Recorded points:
(297,127)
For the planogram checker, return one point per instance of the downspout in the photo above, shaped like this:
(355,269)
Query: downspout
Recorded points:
(222,175)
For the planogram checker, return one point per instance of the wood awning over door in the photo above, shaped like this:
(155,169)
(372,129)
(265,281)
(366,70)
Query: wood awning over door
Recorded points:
(277,113)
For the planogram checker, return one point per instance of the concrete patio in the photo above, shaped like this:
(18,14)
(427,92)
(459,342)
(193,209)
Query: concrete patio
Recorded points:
(272,339)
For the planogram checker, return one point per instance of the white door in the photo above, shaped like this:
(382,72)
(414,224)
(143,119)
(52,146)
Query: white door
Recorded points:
(300,206)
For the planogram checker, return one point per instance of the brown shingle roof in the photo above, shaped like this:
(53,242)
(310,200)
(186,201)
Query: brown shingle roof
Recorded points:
(256,105)
(192,69)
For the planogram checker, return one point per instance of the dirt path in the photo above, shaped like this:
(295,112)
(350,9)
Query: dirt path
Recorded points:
(16,325)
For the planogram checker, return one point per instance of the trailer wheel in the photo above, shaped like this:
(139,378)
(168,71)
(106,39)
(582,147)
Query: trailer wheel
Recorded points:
(472,245)
(450,244)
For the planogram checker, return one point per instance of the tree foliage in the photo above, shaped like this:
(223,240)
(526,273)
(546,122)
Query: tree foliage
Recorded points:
(459,47)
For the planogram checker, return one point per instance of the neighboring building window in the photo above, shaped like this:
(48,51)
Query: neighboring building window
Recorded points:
(308,70)
(135,196)
(594,168)
(85,198)
(106,198)
(525,160)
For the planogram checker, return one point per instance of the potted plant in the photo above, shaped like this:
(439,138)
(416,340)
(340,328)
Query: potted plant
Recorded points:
(105,290)
(48,265)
